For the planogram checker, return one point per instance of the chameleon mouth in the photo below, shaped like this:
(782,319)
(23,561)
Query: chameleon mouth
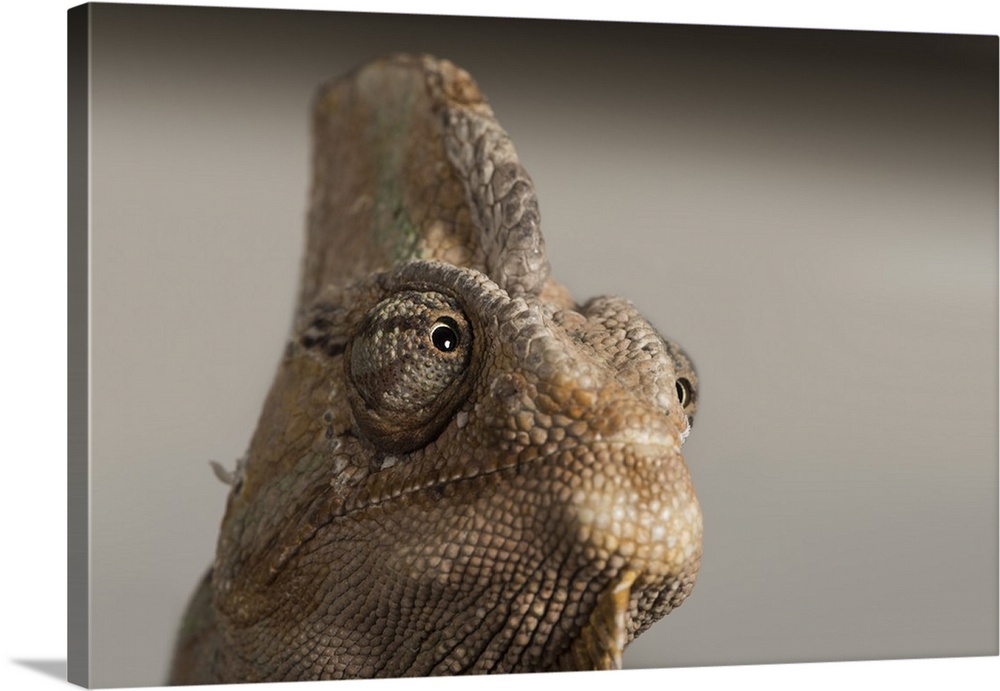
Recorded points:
(643,439)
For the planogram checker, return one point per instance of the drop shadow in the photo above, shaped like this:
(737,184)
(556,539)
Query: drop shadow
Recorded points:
(53,668)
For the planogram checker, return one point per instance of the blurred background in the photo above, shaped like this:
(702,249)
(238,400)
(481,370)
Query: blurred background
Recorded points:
(811,214)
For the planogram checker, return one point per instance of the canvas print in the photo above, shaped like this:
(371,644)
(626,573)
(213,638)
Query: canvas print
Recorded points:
(441,345)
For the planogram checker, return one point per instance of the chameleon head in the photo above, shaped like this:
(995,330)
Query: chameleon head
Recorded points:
(457,468)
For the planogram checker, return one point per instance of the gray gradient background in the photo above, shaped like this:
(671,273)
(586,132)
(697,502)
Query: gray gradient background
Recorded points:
(813,215)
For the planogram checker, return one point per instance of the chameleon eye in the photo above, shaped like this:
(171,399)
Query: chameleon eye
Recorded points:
(444,334)
(684,391)
(686,383)
(407,365)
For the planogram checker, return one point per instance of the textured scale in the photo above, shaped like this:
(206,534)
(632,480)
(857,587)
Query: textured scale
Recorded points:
(458,468)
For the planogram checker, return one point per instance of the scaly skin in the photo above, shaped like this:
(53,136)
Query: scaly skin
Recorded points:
(458,469)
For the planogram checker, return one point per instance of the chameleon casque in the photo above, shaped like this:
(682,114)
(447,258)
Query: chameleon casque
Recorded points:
(458,468)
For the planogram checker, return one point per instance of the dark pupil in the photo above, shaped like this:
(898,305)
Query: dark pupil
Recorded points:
(444,335)
(683,391)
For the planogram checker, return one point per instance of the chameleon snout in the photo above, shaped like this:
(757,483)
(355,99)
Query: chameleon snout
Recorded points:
(608,456)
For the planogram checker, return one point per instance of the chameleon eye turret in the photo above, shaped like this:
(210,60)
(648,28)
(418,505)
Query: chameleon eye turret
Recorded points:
(406,366)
